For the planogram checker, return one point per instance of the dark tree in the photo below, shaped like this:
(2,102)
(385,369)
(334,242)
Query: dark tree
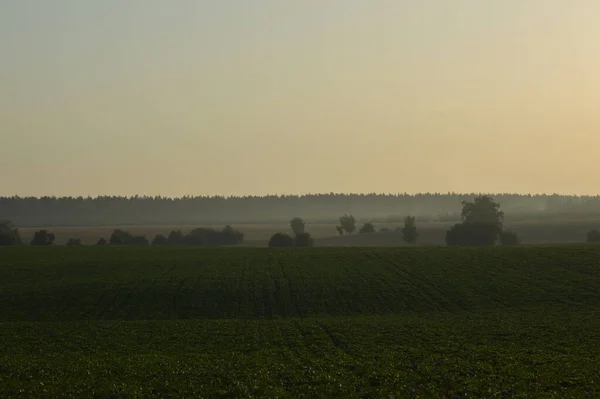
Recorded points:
(9,235)
(210,237)
(593,236)
(159,239)
(120,237)
(43,237)
(281,240)
(297,225)
(471,234)
(73,242)
(482,223)
(340,230)
(175,238)
(509,238)
(231,236)
(409,231)
(348,223)
(101,241)
(367,228)
(304,240)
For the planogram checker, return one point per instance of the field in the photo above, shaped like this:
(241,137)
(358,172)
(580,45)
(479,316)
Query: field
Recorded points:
(124,322)
(431,233)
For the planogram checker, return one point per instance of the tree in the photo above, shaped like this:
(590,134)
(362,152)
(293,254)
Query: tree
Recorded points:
(159,239)
(73,242)
(281,240)
(409,231)
(9,235)
(304,240)
(43,237)
(482,223)
(120,237)
(101,241)
(175,238)
(340,230)
(509,238)
(231,236)
(348,223)
(593,236)
(297,224)
(138,240)
(482,210)
(367,228)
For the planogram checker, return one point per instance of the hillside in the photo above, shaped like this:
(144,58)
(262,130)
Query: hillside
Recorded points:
(181,283)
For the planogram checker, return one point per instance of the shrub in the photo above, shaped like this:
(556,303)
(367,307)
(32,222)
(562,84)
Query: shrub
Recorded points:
(120,237)
(9,235)
(476,234)
(73,242)
(279,240)
(43,237)
(159,239)
(304,240)
(367,228)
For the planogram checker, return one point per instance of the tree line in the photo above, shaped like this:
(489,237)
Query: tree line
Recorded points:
(114,210)
(482,224)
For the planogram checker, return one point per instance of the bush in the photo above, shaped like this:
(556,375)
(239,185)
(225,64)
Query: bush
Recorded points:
(9,235)
(159,239)
(304,240)
(509,238)
(367,228)
(476,234)
(73,242)
(593,236)
(101,241)
(43,237)
(120,237)
(175,238)
(279,240)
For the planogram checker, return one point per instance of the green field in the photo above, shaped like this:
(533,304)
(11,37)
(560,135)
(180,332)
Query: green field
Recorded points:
(124,322)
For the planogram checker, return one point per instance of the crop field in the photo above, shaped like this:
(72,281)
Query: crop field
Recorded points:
(119,322)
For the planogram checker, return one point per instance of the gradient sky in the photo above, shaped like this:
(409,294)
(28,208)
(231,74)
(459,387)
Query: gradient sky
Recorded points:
(268,96)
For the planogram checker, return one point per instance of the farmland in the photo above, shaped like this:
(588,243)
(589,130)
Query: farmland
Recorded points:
(116,322)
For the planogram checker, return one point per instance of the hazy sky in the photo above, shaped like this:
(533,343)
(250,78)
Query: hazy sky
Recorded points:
(269,96)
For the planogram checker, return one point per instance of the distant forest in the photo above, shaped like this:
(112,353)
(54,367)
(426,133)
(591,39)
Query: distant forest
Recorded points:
(109,211)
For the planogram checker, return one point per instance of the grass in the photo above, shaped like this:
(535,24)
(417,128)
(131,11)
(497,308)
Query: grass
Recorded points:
(323,322)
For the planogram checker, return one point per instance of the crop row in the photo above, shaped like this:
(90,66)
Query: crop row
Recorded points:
(183,283)
(487,354)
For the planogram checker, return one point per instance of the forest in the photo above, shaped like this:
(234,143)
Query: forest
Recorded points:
(147,210)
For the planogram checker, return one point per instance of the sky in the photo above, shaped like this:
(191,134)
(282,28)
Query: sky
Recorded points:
(235,97)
